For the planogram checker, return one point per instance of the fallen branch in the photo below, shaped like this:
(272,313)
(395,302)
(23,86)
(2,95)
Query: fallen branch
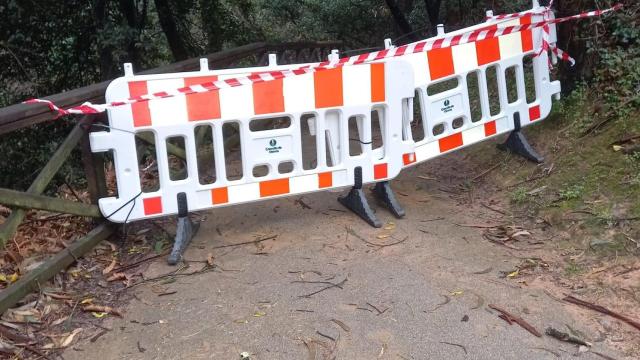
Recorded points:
(247,242)
(603,310)
(509,318)
(563,336)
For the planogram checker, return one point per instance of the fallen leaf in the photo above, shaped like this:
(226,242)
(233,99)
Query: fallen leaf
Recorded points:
(62,341)
(86,301)
(513,274)
(617,147)
(117,276)
(456,293)
(109,268)
(383,236)
(101,309)
(390,226)
(259,314)
(241,321)
(99,315)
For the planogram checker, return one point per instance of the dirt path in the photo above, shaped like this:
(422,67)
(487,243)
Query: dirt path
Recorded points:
(424,298)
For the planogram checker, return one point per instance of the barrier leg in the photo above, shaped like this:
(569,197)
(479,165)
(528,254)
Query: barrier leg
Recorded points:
(384,193)
(185,230)
(357,202)
(517,143)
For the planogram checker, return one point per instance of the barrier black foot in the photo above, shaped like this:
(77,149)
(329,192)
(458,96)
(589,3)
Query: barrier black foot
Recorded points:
(518,144)
(384,193)
(185,231)
(357,202)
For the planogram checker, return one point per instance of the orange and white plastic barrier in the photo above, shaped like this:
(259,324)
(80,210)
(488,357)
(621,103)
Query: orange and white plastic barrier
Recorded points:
(446,96)
(323,102)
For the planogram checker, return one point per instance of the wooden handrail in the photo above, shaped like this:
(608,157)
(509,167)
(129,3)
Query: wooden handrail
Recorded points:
(19,116)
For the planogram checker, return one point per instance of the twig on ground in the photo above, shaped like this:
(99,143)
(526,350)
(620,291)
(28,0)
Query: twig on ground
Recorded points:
(325,335)
(445,302)
(98,335)
(563,336)
(352,232)
(338,285)
(380,312)
(246,242)
(606,357)
(547,350)
(173,273)
(494,209)
(342,325)
(434,219)
(454,344)
(515,319)
(485,172)
(603,310)
(140,262)
(479,226)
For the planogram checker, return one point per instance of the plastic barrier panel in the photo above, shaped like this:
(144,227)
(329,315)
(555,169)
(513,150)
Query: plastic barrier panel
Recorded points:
(277,122)
(475,90)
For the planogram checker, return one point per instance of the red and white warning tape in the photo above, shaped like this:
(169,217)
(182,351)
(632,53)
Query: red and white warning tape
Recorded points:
(490,31)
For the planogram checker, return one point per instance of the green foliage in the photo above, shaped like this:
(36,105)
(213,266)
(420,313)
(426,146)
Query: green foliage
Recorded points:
(519,195)
(572,192)
(634,166)
(573,268)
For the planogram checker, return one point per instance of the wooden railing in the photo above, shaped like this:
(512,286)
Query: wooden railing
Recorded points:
(21,116)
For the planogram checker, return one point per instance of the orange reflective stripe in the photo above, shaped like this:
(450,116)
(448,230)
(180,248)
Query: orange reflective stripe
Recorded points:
(202,106)
(268,97)
(450,142)
(377,82)
(274,187)
(490,128)
(380,171)
(152,205)
(325,180)
(527,35)
(488,50)
(534,113)
(440,62)
(408,158)
(140,110)
(220,195)
(327,85)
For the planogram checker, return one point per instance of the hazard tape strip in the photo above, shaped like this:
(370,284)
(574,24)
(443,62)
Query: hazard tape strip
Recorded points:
(488,32)
(546,44)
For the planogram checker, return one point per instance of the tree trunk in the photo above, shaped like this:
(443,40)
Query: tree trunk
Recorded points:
(400,20)
(135,21)
(211,16)
(107,68)
(170,29)
(433,13)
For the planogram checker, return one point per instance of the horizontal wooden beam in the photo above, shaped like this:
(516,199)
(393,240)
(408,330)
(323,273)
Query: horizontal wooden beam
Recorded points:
(32,201)
(35,279)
